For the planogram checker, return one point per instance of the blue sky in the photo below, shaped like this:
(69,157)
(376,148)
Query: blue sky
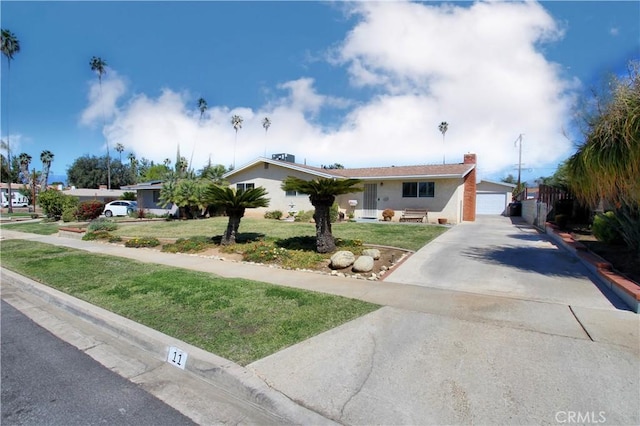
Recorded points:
(361,84)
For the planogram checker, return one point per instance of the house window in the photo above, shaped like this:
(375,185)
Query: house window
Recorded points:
(244,186)
(290,193)
(418,189)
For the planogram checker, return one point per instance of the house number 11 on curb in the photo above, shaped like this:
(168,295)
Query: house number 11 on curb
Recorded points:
(177,357)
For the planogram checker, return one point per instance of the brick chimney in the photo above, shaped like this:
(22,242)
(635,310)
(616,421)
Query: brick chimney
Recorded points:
(469,200)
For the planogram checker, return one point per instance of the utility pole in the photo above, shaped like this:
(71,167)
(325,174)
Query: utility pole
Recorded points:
(519,143)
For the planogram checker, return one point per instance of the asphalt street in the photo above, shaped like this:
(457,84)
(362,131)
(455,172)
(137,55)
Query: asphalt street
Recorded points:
(48,381)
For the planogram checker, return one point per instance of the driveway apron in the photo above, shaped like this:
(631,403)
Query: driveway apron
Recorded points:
(499,256)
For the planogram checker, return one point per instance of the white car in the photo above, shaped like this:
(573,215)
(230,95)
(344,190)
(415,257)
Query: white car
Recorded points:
(120,208)
(15,204)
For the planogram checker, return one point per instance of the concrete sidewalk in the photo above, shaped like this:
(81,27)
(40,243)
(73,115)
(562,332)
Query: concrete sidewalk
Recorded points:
(430,356)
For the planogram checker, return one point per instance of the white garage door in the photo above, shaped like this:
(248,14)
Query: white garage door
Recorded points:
(491,203)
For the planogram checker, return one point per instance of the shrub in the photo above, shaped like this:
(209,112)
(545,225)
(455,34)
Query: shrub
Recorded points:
(99,234)
(189,245)
(89,210)
(276,214)
(69,214)
(303,216)
(561,220)
(142,242)
(606,228)
(53,202)
(102,224)
(387,214)
(334,213)
(129,196)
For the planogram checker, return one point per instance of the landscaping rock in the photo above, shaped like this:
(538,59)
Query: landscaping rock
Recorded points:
(375,253)
(342,259)
(363,264)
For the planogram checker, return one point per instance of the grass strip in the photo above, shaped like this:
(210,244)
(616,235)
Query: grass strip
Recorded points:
(238,319)
(41,228)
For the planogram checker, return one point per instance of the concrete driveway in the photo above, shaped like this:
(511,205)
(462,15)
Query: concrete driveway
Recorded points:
(494,256)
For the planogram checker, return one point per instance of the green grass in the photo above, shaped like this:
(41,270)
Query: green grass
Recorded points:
(42,228)
(406,236)
(237,319)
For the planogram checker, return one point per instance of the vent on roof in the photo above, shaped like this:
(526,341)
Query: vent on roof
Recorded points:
(284,157)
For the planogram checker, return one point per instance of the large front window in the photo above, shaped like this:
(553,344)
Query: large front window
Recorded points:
(418,189)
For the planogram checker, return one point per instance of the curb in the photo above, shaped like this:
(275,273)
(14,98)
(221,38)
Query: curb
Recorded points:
(626,289)
(209,367)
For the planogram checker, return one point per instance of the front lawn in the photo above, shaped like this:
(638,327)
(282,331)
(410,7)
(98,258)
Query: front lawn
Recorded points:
(405,236)
(238,319)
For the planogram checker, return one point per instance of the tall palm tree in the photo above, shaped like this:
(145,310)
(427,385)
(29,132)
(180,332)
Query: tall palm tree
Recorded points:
(202,106)
(47,158)
(236,122)
(120,149)
(266,123)
(10,45)
(443,127)
(99,66)
(235,203)
(134,163)
(322,194)
(24,160)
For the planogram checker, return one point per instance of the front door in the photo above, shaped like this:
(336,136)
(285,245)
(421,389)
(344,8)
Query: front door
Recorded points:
(370,202)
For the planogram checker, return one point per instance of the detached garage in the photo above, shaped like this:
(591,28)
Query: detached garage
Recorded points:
(493,197)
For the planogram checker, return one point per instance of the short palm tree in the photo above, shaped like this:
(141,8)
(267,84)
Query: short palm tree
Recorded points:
(443,127)
(10,45)
(322,193)
(47,158)
(99,66)
(235,203)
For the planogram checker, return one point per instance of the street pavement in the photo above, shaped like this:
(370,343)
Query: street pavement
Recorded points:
(48,381)
(489,323)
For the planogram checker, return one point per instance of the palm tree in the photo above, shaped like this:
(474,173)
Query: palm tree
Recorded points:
(443,127)
(10,45)
(202,106)
(120,149)
(236,122)
(322,194)
(235,203)
(134,163)
(266,123)
(98,65)
(607,165)
(24,160)
(46,157)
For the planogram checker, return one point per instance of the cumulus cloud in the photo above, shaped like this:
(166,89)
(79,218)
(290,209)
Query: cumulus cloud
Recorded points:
(479,67)
(103,98)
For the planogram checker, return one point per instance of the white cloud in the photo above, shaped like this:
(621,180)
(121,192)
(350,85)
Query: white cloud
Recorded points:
(103,98)
(614,31)
(477,67)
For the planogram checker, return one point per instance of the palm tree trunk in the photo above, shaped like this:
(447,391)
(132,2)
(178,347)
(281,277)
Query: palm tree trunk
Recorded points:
(235,215)
(325,242)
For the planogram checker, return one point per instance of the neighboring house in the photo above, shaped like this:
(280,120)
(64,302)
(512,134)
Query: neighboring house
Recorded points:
(493,197)
(446,191)
(148,198)
(101,194)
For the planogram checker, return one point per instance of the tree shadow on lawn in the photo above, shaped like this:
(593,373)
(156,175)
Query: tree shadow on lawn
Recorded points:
(244,237)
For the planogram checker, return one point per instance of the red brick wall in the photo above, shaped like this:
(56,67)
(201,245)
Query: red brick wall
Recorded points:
(469,202)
